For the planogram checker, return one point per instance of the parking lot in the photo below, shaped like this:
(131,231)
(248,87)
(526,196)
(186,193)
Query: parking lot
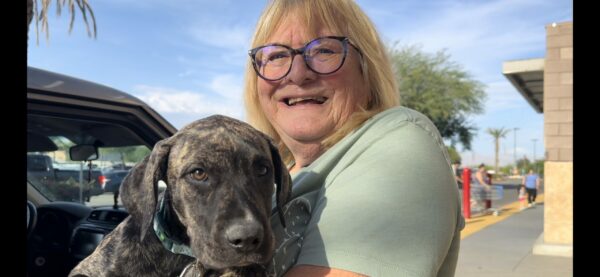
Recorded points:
(510,188)
(510,192)
(105,199)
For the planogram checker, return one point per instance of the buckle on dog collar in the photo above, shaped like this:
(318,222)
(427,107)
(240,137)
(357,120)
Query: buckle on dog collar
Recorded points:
(162,235)
(192,266)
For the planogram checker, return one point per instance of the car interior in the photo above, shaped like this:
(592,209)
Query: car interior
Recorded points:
(63,232)
(72,138)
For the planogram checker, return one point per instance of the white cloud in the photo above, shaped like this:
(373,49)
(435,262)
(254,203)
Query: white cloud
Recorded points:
(186,73)
(502,95)
(458,23)
(195,104)
(233,38)
(228,86)
(477,34)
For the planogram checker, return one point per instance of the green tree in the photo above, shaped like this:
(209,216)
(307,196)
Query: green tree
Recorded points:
(440,89)
(523,164)
(506,170)
(42,15)
(538,167)
(135,154)
(454,156)
(128,154)
(497,134)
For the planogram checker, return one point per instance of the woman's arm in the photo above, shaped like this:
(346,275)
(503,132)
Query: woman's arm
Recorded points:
(391,210)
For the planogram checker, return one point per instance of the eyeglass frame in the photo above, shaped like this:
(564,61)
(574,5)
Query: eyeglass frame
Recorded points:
(300,51)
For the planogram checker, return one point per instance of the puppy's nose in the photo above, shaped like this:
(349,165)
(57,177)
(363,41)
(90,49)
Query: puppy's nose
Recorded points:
(244,236)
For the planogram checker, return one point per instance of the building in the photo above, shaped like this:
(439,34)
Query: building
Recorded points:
(547,84)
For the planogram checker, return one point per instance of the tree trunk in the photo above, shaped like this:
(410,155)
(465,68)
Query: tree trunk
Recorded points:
(496,158)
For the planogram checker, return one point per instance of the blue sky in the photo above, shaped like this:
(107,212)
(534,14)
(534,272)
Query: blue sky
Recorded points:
(186,58)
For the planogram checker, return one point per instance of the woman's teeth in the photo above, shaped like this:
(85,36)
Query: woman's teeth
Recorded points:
(293,101)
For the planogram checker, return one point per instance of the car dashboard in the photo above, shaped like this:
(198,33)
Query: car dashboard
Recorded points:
(65,234)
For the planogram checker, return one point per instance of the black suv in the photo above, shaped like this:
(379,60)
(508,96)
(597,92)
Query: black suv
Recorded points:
(77,132)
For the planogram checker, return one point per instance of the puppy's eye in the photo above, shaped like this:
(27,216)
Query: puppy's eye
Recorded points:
(262,170)
(199,175)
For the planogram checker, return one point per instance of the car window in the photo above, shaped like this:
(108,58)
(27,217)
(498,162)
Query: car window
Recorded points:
(51,171)
(67,115)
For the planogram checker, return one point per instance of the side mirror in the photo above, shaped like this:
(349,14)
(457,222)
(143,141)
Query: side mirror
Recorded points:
(84,152)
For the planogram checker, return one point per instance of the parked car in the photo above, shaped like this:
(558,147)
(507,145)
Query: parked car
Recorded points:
(41,167)
(113,178)
(71,121)
(120,166)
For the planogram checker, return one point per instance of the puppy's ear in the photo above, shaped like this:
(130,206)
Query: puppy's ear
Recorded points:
(282,180)
(139,190)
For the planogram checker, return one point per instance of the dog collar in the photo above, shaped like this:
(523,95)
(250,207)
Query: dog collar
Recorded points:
(163,235)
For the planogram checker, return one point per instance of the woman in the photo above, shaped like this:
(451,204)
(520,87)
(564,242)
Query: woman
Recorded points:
(373,191)
(481,186)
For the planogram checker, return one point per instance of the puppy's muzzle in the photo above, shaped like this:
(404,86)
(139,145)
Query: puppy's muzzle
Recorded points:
(244,236)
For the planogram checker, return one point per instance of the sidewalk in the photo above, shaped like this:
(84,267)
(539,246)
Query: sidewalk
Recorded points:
(502,246)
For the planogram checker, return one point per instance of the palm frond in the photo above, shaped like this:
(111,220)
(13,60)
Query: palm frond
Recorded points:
(89,8)
(82,7)
(42,15)
(36,17)
(59,6)
(72,11)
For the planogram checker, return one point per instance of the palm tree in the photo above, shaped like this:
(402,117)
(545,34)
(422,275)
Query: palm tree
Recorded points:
(32,9)
(497,134)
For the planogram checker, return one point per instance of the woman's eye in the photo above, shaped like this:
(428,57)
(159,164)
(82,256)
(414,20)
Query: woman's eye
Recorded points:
(277,56)
(262,170)
(324,51)
(199,175)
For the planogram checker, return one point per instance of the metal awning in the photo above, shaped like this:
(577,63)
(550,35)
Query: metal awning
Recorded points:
(528,78)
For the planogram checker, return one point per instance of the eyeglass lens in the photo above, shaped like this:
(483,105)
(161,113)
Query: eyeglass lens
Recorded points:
(322,55)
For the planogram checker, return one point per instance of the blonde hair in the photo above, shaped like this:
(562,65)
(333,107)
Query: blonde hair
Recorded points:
(344,18)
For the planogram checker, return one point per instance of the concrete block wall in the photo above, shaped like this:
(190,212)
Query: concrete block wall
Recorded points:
(558,92)
(558,135)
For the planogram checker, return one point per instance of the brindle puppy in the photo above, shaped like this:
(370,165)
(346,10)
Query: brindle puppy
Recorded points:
(220,175)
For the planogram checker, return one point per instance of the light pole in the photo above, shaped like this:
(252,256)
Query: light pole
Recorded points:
(534,164)
(515,149)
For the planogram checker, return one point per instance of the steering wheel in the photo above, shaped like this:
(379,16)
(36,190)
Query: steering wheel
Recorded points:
(31,218)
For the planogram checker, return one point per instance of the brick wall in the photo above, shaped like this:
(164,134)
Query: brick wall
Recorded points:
(558,134)
(558,92)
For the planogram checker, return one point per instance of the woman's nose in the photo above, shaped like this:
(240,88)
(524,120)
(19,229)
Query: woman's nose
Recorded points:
(300,73)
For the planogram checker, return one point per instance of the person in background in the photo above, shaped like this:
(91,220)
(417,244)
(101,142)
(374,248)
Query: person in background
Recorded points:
(373,191)
(531,181)
(480,187)
(482,177)
(457,175)
(522,204)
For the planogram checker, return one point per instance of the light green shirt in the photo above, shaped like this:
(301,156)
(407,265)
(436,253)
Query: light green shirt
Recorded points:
(383,201)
